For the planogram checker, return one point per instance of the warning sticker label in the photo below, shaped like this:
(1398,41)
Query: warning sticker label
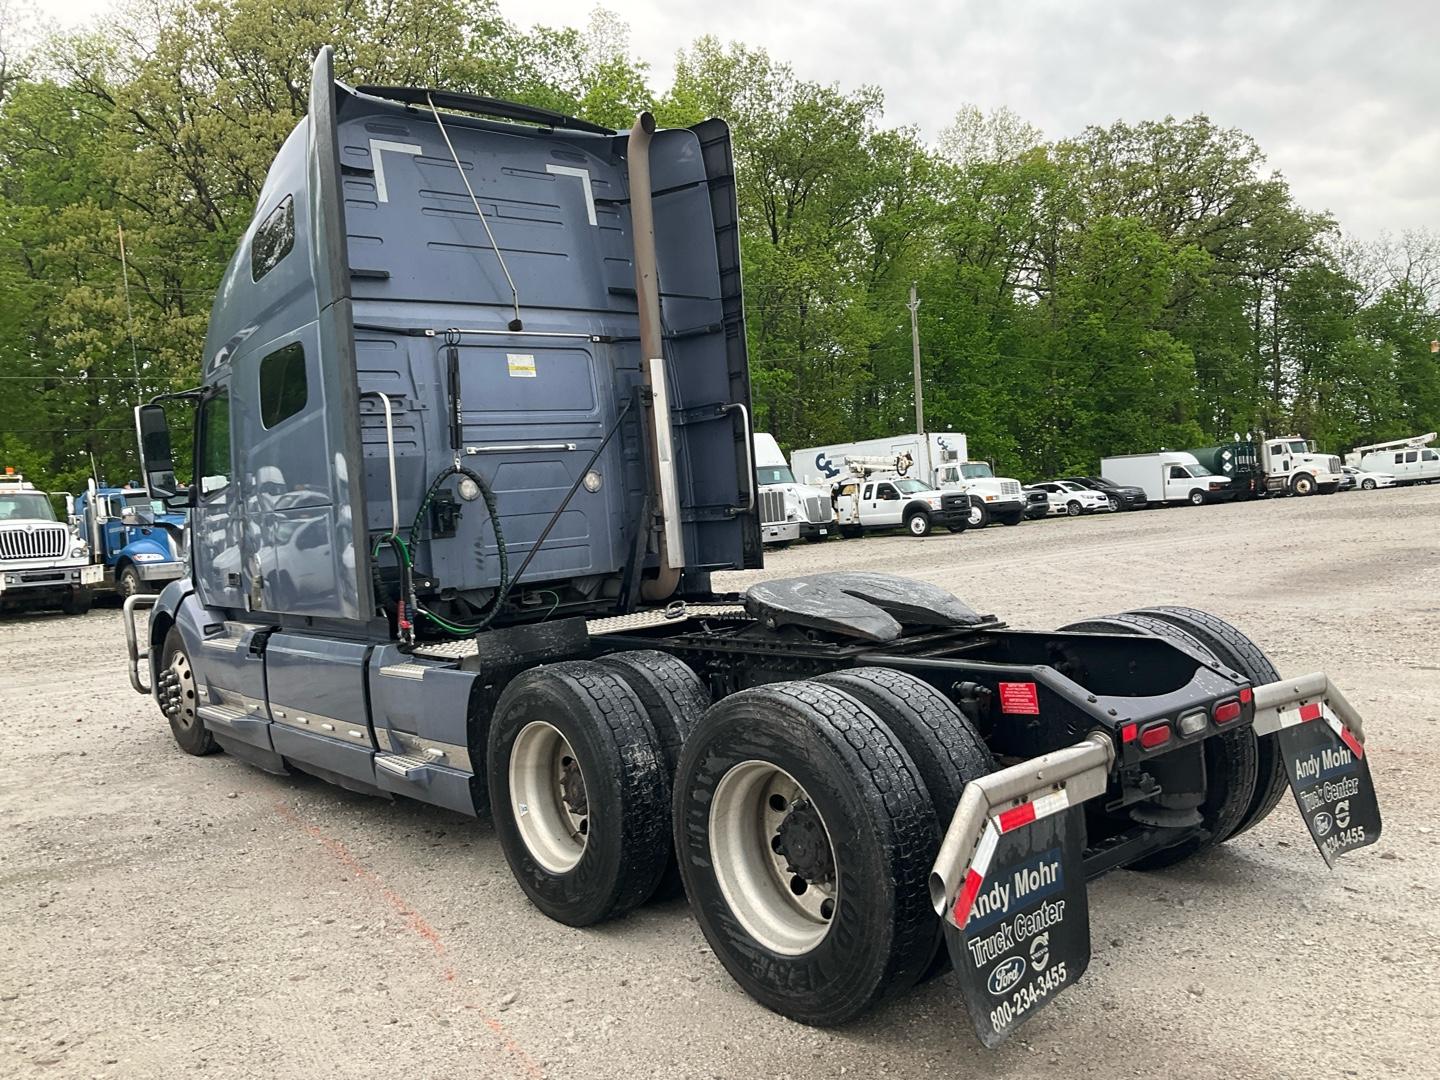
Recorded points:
(1019,699)
(521,365)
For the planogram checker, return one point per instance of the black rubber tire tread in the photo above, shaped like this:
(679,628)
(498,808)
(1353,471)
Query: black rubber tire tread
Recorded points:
(869,792)
(674,699)
(129,583)
(76,602)
(1232,754)
(197,739)
(623,763)
(1232,647)
(947,750)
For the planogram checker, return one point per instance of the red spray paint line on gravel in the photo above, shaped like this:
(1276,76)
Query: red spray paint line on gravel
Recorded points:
(417,923)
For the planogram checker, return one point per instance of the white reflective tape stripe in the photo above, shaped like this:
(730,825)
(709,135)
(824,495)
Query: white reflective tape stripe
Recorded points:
(1052,803)
(378,163)
(583,175)
(985,850)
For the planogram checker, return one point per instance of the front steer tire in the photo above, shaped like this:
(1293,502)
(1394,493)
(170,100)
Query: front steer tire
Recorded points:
(854,777)
(582,851)
(179,696)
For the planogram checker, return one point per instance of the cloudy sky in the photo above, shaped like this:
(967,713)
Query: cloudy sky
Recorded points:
(1343,95)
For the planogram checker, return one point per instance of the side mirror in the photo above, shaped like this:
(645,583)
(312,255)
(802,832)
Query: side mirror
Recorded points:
(157,463)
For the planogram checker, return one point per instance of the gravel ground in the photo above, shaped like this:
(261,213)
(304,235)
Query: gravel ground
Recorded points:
(162,915)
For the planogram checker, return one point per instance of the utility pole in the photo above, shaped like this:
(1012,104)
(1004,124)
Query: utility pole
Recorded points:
(914,306)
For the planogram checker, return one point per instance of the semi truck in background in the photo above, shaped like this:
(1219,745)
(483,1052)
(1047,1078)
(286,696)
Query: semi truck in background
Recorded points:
(44,562)
(1170,476)
(510,462)
(1270,465)
(788,511)
(939,459)
(1410,461)
(138,543)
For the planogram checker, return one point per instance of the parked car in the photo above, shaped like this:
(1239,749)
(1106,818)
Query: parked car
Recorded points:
(1072,499)
(1122,496)
(1037,503)
(1369,481)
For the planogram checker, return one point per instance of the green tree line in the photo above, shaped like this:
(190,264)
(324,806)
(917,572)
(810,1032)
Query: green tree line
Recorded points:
(1130,287)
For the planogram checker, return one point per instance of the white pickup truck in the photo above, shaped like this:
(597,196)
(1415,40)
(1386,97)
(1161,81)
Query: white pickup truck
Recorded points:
(891,501)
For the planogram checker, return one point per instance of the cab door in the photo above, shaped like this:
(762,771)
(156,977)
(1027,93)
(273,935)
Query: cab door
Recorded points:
(1177,483)
(888,505)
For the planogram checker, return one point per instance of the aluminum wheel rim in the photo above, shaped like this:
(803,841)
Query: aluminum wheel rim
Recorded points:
(750,803)
(547,797)
(178,691)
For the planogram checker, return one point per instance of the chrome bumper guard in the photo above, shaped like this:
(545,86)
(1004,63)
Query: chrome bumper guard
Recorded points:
(134,653)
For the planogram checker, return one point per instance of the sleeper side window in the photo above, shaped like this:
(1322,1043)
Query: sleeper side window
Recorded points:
(283,389)
(274,239)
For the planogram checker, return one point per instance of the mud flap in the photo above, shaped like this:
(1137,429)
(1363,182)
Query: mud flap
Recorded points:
(1322,739)
(1009,884)
(1330,777)
(1026,934)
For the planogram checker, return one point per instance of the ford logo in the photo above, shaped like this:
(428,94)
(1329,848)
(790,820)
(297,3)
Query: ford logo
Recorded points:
(1005,975)
(1323,823)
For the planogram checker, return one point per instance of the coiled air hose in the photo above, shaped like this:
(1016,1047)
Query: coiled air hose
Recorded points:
(502,591)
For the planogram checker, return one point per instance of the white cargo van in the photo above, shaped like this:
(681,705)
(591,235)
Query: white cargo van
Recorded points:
(1410,461)
(939,459)
(1171,476)
(788,511)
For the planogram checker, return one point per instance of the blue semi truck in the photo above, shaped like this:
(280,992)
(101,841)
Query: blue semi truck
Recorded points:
(472,437)
(139,542)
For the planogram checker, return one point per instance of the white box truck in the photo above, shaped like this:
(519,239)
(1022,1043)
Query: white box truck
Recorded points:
(939,459)
(1170,476)
(788,511)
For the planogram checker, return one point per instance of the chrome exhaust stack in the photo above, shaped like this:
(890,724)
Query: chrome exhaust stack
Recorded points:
(652,364)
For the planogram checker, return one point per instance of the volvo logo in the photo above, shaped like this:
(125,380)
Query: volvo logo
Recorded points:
(1005,975)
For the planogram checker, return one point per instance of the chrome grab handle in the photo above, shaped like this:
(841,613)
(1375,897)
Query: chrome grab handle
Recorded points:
(390,451)
(749,454)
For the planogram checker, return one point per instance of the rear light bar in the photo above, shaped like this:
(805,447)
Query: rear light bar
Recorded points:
(1156,735)
(1227,712)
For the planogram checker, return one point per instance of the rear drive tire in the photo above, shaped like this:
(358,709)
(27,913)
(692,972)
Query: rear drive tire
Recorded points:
(947,750)
(1232,647)
(179,695)
(1231,758)
(674,700)
(805,838)
(579,792)
(918,524)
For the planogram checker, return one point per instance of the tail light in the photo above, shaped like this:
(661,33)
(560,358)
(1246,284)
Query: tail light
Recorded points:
(1227,712)
(1156,735)
(1246,695)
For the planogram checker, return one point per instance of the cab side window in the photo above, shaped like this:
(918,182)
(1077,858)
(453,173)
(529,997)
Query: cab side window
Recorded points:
(886,492)
(283,388)
(869,488)
(214,455)
(1177,472)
